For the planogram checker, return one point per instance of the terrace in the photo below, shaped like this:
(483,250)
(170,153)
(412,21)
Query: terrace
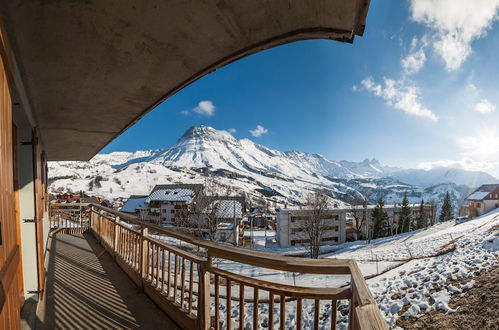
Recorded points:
(178,274)
(76,74)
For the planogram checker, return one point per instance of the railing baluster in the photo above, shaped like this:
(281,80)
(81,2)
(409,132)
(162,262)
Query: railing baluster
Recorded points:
(191,280)
(271,310)
(217,303)
(157,266)
(317,308)
(169,273)
(163,269)
(255,308)
(283,312)
(241,306)
(298,313)
(228,295)
(182,280)
(175,277)
(334,303)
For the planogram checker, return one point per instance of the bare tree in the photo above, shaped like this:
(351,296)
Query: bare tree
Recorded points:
(202,216)
(315,223)
(210,206)
(359,214)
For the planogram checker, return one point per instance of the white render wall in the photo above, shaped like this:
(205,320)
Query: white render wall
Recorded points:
(488,205)
(285,226)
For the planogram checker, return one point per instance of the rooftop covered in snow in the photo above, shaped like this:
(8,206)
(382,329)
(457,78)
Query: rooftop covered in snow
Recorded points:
(134,203)
(170,195)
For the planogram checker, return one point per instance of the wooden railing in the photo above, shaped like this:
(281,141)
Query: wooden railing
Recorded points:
(196,293)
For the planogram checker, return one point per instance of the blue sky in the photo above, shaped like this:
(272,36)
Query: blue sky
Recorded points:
(419,89)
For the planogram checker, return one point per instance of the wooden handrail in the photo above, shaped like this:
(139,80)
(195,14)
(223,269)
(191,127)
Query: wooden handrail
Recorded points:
(252,257)
(287,290)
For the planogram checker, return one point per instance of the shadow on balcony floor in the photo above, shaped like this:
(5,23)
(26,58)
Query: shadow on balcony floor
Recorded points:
(87,289)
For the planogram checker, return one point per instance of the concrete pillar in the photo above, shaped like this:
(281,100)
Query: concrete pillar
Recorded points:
(27,212)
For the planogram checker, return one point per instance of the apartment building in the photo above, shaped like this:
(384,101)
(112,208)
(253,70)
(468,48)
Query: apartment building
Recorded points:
(291,224)
(169,204)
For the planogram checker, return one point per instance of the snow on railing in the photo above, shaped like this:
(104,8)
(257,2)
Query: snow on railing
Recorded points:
(196,292)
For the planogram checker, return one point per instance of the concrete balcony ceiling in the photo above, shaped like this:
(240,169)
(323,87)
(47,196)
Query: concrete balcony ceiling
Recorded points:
(91,69)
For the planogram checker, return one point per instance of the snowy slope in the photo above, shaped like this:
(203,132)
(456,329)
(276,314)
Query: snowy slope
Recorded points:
(252,168)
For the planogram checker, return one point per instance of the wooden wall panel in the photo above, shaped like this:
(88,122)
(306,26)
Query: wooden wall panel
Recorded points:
(9,251)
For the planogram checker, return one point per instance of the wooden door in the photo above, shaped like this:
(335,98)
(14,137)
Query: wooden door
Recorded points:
(9,248)
(40,208)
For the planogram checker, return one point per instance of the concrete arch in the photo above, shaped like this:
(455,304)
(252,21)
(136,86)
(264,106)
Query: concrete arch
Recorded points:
(91,69)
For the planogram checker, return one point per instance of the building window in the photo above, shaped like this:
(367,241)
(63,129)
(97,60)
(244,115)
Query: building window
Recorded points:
(299,217)
(172,211)
(297,230)
(334,239)
(478,205)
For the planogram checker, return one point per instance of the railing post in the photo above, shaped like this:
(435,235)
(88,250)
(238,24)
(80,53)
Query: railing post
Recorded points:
(204,318)
(115,240)
(351,316)
(144,253)
(90,215)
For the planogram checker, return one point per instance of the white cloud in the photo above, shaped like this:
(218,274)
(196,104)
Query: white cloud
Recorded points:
(416,58)
(399,96)
(413,62)
(465,164)
(205,108)
(455,24)
(484,106)
(258,131)
(232,130)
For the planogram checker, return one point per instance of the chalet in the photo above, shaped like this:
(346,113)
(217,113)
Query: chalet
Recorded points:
(167,204)
(481,201)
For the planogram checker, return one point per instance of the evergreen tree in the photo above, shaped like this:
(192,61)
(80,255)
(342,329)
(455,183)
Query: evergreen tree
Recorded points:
(446,213)
(421,222)
(380,219)
(405,215)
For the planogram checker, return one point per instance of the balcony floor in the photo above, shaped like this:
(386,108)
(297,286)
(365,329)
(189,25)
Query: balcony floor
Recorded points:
(87,289)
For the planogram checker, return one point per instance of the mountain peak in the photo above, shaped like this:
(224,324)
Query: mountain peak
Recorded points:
(202,132)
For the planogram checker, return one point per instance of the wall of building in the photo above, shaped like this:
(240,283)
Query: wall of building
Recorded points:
(289,232)
(489,205)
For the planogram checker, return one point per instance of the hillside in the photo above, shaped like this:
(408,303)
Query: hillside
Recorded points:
(259,171)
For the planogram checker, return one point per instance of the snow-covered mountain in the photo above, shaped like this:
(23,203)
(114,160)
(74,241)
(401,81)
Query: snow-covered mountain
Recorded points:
(261,172)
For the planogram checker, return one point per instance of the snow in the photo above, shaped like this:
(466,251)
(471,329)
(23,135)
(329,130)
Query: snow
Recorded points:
(477,196)
(170,195)
(423,285)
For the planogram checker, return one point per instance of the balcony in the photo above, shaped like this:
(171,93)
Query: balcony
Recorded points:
(179,274)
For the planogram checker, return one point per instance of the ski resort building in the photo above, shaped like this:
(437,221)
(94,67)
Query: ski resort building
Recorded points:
(291,224)
(481,201)
(341,223)
(74,75)
(168,204)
